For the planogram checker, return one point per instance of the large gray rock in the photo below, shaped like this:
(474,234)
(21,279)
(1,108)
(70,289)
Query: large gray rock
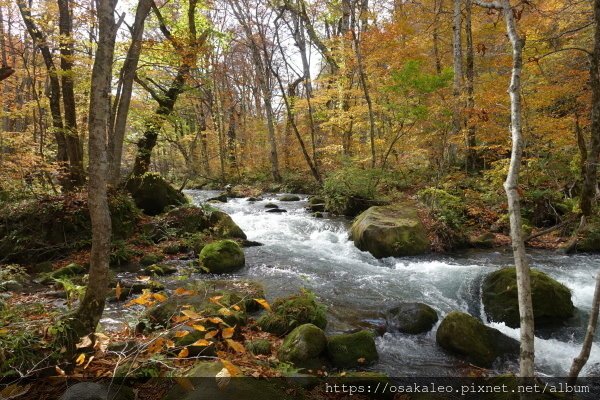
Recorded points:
(97,391)
(390,231)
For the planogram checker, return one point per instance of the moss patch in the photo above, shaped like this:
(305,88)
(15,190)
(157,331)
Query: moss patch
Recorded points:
(153,194)
(221,257)
(291,312)
(303,345)
(352,350)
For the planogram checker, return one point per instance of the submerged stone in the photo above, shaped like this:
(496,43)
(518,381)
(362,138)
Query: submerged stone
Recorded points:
(411,318)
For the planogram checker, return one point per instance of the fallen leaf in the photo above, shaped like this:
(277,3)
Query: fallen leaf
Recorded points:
(215,299)
(184,292)
(228,333)
(236,307)
(84,342)
(211,334)
(185,383)
(87,364)
(183,353)
(361,360)
(191,314)
(159,297)
(225,311)
(80,360)
(180,318)
(118,291)
(233,370)
(199,328)
(236,346)
(180,334)
(215,320)
(264,304)
(59,370)
(201,342)
(223,378)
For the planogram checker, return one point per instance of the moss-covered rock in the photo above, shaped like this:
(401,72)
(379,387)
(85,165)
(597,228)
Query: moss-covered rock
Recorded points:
(466,336)
(223,226)
(150,258)
(153,194)
(352,350)
(68,271)
(316,200)
(551,300)
(289,197)
(259,347)
(271,205)
(222,257)
(483,241)
(290,312)
(411,318)
(303,345)
(159,270)
(390,231)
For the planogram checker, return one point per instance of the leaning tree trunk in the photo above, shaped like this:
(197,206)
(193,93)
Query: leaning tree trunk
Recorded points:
(512,193)
(580,361)
(88,314)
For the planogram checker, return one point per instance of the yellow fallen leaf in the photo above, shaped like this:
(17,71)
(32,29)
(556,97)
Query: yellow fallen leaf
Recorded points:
(191,314)
(228,333)
(215,299)
(183,353)
(199,328)
(211,334)
(180,334)
(264,304)
(236,346)
(185,383)
(225,311)
(118,291)
(159,297)
(236,307)
(180,318)
(233,370)
(170,344)
(80,360)
(215,320)
(87,364)
(184,292)
(201,342)
(59,370)
(223,378)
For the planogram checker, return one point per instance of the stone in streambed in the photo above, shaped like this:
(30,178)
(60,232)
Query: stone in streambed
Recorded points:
(466,336)
(289,197)
(222,257)
(290,312)
(276,210)
(352,350)
(411,318)
(303,346)
(271,205)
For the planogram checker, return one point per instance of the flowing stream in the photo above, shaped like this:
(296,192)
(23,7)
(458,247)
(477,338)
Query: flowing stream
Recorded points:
(300,251)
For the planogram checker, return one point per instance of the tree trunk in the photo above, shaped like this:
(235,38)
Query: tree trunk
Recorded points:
(74,148)
(512,193)
(590,183)
(458,78)
(123,99)
(471,142)
(580,361)
(91,308)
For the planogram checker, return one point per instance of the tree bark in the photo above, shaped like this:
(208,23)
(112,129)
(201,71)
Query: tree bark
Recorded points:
(590,183)
(88,315)
(458,76)
(74,147)
(471,142)
(512,193)
(123,99)
(580,361)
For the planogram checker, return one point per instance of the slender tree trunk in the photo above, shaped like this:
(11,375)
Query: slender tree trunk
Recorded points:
(471,142)
(123,99)
(590,183)
(512,193)
(74,147)
(437,9)
(458,78)
(580,361)
(91,308)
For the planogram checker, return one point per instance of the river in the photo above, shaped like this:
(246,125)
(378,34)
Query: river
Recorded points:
(300,251)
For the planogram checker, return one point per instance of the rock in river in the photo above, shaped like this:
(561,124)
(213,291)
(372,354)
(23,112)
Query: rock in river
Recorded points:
(390,231)
(222,257)
(411,318)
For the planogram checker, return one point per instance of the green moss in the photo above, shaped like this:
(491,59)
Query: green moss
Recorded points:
(153,194)
(411,318)
(223,226)
(552,302)
(303,345)
(259,347)
(221,257)
(150,258)
(466,336)
(390,231)
(289,197)
(352,350)
(291,312)
(159,270)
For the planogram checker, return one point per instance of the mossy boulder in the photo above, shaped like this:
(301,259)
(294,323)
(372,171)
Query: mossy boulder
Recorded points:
(68,271)
(316,200)
(289,197)
(411,318)
(271,205)
(150,258)
(159,270)
(290,312)
(259,347)
(390,231)
(303,346)
(589,238)
(222,257)
(223,226)
(466,336)
(483,241)
(352,349)
(152,194)
(552,304)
